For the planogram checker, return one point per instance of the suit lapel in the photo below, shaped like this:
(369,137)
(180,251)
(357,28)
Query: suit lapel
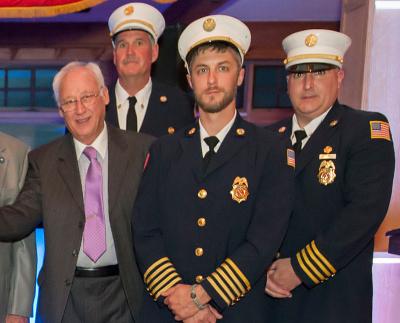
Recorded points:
(319,138)
(69,170)
(191,155)
(3,164)
(116,166)
(154,111)
(111,110)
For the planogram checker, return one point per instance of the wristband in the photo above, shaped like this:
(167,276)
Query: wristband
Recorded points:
(195,299)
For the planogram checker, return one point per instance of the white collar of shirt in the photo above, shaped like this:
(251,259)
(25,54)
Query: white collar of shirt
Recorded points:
(309,128)
(220,135)
(100,144)
(142,101)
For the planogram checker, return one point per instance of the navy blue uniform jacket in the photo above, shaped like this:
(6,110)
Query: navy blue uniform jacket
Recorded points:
(169,110)
(331,233)
(189,229)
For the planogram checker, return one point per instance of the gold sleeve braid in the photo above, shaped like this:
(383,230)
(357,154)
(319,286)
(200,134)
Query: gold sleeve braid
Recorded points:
(314,264)
(229,282)
(160,276)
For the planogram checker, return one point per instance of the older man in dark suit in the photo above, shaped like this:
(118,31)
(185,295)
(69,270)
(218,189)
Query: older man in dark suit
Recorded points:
(82,187)
(136,101)
(344,174)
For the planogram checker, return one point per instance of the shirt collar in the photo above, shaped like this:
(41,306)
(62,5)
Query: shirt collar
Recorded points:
(100,144)
(310,127)
(220,135)
(142,97)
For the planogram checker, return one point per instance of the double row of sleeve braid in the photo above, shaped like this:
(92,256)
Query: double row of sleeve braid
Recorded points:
(160,277)
(316,267)
(227,284)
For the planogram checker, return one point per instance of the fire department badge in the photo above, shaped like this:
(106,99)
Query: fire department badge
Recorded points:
(128,10)
(240,189)
(326,173)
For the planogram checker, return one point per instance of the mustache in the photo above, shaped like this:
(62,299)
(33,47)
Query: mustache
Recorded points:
(213,89)
(130,60)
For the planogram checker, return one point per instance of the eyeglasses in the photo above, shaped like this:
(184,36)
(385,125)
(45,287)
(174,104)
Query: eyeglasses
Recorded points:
(86,100)
(301,75)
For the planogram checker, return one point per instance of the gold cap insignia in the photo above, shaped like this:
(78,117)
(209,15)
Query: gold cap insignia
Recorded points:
(240,189)
(326,173)
(192,131)
(311,40)
(128,10)
(328,149)
(171,130)
(163,99)
(240,131)
(282,129)
(333,123)
(209,24)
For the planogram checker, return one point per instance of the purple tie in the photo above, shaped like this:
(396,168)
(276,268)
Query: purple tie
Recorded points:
(94,234)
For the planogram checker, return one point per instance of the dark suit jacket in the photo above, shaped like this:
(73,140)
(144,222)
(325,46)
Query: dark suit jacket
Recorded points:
(52,194)
(341,218)
(176,112)
(239,237)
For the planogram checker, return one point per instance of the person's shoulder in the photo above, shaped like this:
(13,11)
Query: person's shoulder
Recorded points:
(169,92)
(130,137)
(362,115)
(12,142)
(280,126)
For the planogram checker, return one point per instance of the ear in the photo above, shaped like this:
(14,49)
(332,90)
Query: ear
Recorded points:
(240,77)
(154,52)
(114,56)
(189,79)
(61,113)
(340,77)
(105,95)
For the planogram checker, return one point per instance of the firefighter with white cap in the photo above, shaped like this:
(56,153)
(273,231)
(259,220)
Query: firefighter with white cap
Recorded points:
(344,174)
(203,246)
(138,103)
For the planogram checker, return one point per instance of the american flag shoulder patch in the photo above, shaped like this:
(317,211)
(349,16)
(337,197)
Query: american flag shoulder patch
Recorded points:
(380,130)
(290,156)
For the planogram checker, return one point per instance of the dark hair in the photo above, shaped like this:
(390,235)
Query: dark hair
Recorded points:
(219,46)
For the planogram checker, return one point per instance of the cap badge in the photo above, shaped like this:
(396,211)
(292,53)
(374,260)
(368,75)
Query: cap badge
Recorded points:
(163,99)
(326,173)
(128,10)
(209,24)
(282,129)
(240,189)
(240,132)
(311,40)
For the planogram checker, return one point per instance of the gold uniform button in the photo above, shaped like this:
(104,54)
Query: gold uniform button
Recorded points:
(202,194)
(199,252)
(201,222)
(171,130)
(199,279)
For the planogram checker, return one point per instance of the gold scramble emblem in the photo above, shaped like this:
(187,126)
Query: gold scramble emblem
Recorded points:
(240,189)
(326,173)
(209,24)
(311,40)
(128,10)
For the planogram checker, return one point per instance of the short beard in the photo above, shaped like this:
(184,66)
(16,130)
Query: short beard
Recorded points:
(217,106)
